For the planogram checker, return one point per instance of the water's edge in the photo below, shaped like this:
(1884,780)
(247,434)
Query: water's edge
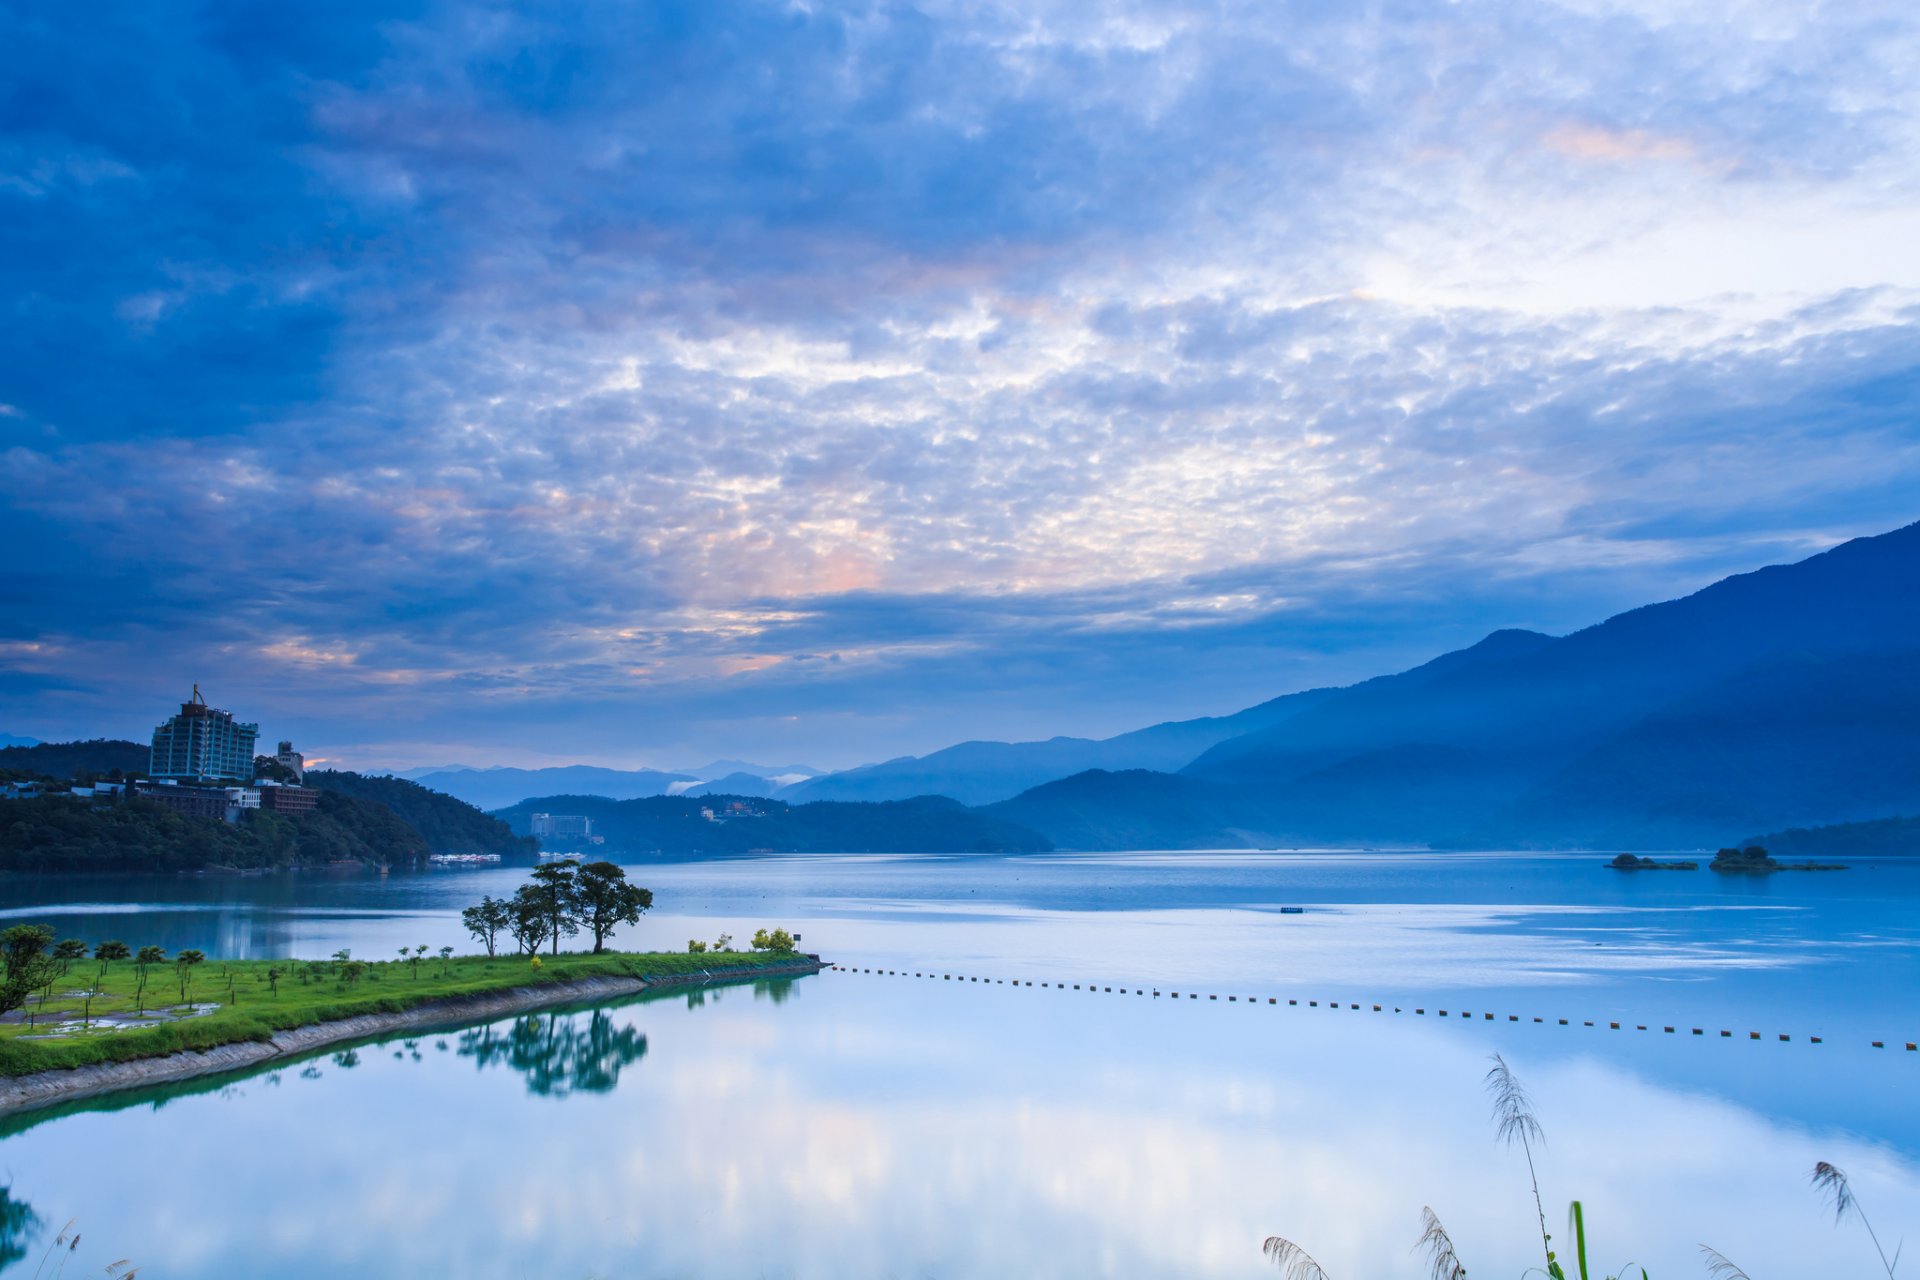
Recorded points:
(67,1084)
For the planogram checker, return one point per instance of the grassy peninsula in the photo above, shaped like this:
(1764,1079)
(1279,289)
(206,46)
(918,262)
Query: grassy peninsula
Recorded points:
(119,1011)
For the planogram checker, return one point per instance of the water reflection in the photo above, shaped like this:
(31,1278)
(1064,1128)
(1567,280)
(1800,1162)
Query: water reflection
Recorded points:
(558,1053)
(19,1224)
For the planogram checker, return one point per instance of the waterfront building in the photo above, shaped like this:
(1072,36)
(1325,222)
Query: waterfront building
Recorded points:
(292,761)
(284,799)
(203,744)
(189,802)
(562,826)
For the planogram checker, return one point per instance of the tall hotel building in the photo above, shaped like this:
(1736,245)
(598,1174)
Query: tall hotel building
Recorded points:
(203,744)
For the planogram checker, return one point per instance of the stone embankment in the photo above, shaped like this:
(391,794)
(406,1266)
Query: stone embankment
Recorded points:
(46,1088)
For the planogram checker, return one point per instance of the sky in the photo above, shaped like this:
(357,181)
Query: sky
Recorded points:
(638,383)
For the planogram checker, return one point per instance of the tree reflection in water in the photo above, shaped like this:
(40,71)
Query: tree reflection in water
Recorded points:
(18,1225)
(559,1053)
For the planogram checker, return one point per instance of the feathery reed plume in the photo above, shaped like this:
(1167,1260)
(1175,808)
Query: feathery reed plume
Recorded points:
(1514,1121)
(1839,1193)
(1442,1262)
(1291,1258)
(1720,1267)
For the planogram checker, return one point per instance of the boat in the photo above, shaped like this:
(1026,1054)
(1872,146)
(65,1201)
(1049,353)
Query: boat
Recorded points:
(461,859)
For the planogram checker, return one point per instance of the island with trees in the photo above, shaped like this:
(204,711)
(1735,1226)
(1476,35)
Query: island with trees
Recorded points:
(1634,862)
(81,1017)
(1753,860)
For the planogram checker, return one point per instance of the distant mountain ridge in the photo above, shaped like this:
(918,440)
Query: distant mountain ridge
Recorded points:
(984,772)
(499,788)
(1784,697)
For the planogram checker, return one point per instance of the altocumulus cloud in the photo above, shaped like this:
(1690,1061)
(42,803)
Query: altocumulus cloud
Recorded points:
(847,379)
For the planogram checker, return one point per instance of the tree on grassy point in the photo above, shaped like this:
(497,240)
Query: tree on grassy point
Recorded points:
(351,970)
(695,946)
(528,920)
(777,940)
(556,887)
(488,920)
(419,954)
(274,974)
(604,900)
(183,967)
(446,962)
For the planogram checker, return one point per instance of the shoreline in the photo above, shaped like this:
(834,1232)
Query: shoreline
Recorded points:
(26,1093)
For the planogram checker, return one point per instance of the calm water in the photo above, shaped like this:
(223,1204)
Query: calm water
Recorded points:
(857,1125)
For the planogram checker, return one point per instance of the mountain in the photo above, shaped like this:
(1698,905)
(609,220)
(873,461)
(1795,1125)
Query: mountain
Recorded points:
(1136,809)
(499,788)
(15,740)
(97,757)
(744,824)
(443,823)
(737,784)
(984,772)
(726,768)
(1786,696)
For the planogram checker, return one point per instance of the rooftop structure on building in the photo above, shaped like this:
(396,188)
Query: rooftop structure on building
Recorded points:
(203,744)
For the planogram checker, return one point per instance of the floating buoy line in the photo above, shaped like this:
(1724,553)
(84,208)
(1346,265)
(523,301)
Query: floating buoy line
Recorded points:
(1480,1016)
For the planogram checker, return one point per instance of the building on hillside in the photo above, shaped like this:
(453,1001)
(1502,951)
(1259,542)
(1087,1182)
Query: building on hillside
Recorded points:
(189,802)
(292,761)
(562,826)
(284,799)
(203,744)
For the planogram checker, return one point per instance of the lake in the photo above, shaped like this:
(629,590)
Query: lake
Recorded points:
(875,1124)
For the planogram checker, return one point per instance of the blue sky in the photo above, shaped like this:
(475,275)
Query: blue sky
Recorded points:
(641,383)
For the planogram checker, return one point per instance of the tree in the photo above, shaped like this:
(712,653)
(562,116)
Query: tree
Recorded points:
(528,920)
(351,970)
(604,899)
(419,954)
(446,961)
(69,950)
(274,974)
(183,967)
(778,940)
(144,959)
(24,948)
(556,886)
(486,921)
(695,946)
(107,952)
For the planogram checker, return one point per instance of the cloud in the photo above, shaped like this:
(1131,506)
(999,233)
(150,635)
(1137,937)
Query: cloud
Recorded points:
(751,377)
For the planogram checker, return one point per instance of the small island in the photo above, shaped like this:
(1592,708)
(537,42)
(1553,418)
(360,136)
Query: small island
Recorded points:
(1628,862)
(1755,860)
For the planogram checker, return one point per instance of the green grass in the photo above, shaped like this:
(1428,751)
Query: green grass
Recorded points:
(251,1010)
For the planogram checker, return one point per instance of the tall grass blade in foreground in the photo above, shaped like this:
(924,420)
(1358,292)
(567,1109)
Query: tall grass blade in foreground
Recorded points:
(1292,1259)
(1442,1262)
(1720,1267)
(1839,1193)
(1514,1122)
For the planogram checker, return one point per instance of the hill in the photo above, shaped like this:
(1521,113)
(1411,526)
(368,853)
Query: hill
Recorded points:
(1136,809)
(95,758)
(1880,836)
(677,825)
(60,834)
(443,824)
